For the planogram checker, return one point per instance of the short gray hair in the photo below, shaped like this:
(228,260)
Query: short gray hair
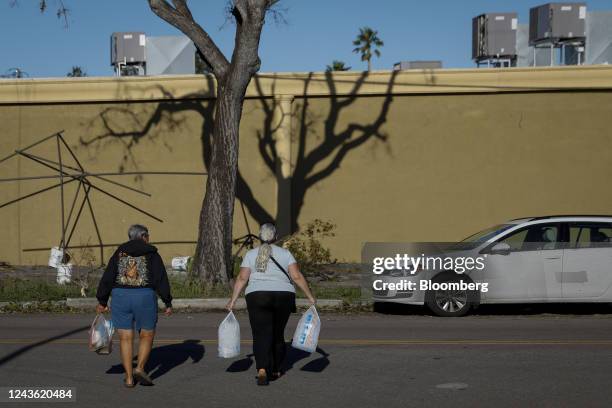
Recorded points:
(137,231)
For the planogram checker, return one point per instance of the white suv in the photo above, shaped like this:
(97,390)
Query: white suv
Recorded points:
(529,260)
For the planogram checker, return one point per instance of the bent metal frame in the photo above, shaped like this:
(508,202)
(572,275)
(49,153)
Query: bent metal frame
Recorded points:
(68,174)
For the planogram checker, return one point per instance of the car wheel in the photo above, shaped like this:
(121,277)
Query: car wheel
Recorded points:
(450,303)
(381,307)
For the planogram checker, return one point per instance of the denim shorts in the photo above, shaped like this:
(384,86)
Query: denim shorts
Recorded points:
(134,307)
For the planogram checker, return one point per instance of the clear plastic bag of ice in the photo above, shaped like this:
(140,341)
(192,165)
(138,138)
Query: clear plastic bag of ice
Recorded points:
(306,336)
(229,337)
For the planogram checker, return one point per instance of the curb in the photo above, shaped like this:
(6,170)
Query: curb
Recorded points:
(203,304)
(211,304)
(34,306)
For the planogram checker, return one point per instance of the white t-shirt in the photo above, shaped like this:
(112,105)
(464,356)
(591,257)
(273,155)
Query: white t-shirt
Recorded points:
(273,279)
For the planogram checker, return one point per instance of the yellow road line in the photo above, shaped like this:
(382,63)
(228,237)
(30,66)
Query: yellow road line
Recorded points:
(360,342)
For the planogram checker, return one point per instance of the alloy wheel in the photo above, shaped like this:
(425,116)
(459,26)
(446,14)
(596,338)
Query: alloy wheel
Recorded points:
(451,300)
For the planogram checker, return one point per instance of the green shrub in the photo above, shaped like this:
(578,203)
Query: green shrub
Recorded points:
(189,288)
(190,265)
(306,245)
(237,262)
(16,290)
(36,290)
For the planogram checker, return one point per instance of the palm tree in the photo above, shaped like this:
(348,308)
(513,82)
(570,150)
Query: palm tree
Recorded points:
(366,44)
(77,72)
(337,65)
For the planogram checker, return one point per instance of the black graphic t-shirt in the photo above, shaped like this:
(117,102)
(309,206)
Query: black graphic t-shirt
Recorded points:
(135,264)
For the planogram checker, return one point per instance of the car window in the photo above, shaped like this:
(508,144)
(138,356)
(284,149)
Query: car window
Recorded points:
(533,238)
(590,235)
(516,239)
(488,233)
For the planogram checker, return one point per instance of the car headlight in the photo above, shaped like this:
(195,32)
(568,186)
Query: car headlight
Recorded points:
(402,273)
(417,270)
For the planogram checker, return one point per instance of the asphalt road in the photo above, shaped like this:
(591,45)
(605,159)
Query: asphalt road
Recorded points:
(494,359)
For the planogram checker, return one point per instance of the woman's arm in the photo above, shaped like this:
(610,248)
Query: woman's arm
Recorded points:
(300,281)
(106,284)
(162,284)
(241,281)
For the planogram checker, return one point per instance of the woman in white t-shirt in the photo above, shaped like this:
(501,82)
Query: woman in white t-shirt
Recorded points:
(270,272)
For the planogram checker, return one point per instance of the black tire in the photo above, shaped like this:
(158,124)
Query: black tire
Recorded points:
(381,307)
(451,303)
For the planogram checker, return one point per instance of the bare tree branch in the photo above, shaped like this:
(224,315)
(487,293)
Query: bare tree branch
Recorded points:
(249,22)
(181,18)
(181,7)
(239,10)
(62,11)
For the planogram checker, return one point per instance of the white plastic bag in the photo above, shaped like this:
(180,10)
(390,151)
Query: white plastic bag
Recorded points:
(229,337)
(64,273)
(101,335)
(180,263)
(306,334)
(56,256)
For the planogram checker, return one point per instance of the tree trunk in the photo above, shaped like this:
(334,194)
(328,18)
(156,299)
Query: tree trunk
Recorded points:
(212,261)
(213,257)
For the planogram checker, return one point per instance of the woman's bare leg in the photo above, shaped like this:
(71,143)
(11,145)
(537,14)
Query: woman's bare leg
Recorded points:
(144,348)
(126,340)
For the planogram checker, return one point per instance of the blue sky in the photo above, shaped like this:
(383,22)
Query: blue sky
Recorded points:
(317,31)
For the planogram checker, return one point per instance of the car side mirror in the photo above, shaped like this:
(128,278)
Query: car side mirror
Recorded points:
(501,248)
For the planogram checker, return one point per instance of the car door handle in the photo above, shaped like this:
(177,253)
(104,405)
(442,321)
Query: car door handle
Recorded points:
(554,257)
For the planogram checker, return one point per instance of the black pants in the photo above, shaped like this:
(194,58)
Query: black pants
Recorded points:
(268,314)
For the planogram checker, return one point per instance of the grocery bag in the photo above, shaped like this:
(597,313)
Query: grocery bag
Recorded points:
(229,337)
(306,334)
(56,257)
(101,335)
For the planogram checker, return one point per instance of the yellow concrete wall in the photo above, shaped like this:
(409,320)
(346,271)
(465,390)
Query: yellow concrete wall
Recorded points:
(457,150)
(35,222)
(455,164)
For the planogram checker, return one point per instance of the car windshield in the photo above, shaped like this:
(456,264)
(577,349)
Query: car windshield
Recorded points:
(484,235)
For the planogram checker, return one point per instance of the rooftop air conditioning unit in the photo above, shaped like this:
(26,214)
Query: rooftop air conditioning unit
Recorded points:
(128,48)
(494,35)
(554,22)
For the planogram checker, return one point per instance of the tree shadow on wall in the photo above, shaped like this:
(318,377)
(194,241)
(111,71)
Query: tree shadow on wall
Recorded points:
(128,124)
(317,154)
